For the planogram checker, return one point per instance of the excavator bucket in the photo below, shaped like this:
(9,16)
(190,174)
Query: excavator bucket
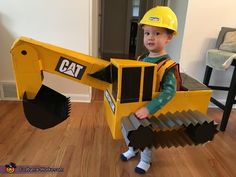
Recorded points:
(48,109)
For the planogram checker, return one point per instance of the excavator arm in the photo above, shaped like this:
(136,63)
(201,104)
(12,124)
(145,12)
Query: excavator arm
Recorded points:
(30,58)
(44,107)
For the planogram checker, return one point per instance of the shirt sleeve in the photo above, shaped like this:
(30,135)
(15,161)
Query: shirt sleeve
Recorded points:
(168,90)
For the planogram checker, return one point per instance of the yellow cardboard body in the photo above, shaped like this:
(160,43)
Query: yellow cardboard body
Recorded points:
(182,101)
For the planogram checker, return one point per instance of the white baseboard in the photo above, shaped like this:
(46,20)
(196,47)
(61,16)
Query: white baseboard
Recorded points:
(8,92)
(82,98)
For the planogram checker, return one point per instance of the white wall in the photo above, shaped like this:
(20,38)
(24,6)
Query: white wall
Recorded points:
(66,23)
(203,22)
(175,46)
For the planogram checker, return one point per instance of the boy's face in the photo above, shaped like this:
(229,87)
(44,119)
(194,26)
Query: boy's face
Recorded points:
(155,38)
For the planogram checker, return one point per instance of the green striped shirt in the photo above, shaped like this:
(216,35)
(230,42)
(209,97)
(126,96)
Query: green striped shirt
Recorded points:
(168,87)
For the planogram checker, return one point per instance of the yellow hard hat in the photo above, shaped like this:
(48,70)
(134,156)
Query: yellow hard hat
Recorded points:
(160,16)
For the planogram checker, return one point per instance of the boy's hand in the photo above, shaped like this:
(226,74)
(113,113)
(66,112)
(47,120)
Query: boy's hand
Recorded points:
(142,113)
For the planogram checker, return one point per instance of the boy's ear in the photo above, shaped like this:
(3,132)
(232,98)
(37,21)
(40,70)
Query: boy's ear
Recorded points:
(170,36)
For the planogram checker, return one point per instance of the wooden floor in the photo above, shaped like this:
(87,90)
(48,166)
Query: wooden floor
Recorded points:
(83,146)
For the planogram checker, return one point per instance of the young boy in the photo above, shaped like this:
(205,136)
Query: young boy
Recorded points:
(159,25)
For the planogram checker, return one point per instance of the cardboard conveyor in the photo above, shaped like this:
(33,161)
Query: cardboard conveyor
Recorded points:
(168,130)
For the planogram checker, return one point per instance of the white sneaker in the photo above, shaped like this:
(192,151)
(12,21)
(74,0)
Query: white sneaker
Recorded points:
(128,154)
(142,167)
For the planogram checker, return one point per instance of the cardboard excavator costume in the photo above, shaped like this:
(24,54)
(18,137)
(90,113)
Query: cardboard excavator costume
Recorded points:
(127,85)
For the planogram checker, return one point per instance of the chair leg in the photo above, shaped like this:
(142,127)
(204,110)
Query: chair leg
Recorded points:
(207,75)
(229,102)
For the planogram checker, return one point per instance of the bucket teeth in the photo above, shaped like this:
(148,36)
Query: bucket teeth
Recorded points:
(168,130)
(48,109)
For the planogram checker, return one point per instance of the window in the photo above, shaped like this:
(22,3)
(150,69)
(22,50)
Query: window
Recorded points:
(135,8)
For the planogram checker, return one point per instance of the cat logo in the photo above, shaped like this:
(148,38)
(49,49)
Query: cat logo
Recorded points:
(110,101)
(70,68)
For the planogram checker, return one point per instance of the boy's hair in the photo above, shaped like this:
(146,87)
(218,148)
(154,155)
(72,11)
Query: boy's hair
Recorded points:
(170,31)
